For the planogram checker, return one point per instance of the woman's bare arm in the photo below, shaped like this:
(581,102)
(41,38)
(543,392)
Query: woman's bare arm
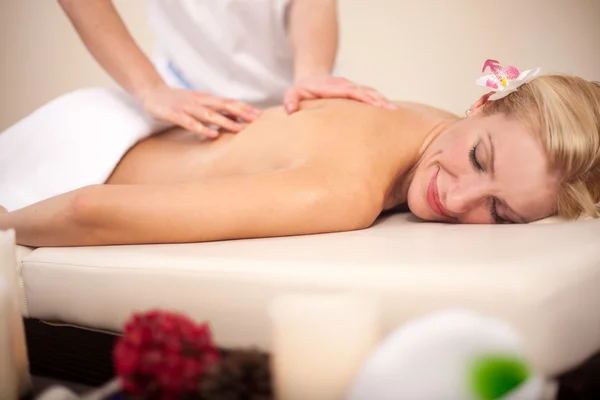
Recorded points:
(272,204)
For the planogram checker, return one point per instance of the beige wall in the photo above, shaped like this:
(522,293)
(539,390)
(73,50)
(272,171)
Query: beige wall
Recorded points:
(42,57)
(423,50)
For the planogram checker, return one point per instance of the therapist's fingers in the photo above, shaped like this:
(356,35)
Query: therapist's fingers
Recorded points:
(369,96)
(174,106)
(232,107)
(190,123)
(291,100)
(350,92)
(381,100)
(207,116)
(239,109)
(361,93)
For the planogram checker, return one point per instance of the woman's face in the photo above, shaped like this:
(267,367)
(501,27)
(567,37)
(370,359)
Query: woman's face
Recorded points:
(483,169)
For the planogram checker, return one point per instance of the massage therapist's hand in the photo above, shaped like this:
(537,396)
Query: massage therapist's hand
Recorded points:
(196,111)
(326,86)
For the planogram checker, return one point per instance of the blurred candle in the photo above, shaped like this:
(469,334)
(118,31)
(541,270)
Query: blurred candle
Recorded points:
(319,343)
(14,366)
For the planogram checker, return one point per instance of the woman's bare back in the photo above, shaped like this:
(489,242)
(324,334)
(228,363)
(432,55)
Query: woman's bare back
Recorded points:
(328,168)
(329,133)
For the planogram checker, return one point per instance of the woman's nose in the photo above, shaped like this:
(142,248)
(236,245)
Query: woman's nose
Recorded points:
(464,197)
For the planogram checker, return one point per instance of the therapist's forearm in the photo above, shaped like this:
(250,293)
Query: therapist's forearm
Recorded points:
(313,31)
(106,37)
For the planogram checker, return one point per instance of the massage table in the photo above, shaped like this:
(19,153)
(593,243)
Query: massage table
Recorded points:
(543,278)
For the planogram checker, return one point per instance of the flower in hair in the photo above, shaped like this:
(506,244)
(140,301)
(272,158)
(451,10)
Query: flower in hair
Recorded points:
(504,80)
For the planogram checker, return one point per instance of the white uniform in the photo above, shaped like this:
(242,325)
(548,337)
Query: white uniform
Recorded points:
(230,48)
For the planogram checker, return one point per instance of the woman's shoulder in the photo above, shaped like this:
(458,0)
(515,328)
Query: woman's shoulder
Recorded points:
(352,108)
(425,110)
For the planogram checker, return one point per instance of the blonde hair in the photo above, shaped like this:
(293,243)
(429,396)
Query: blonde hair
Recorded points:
(565,111)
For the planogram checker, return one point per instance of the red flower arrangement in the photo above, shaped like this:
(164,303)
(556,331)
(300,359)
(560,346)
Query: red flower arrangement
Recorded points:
(164,355)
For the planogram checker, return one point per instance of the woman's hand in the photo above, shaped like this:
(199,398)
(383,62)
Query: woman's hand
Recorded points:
(195,111)
(326,86)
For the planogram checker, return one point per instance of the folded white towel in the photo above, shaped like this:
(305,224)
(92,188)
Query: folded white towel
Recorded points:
(73,141)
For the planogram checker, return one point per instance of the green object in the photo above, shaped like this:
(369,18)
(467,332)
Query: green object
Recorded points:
(492,376)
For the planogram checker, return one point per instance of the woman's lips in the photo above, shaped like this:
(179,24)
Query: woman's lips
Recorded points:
(433,197)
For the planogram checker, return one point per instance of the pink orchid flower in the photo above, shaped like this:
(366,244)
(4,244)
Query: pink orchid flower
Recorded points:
(504,80)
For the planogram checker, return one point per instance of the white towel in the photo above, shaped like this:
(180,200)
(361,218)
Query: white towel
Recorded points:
(73,141)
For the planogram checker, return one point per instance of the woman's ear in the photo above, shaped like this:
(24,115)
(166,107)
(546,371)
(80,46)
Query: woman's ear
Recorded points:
(478,105)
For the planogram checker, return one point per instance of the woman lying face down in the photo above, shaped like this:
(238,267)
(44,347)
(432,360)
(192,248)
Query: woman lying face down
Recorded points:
(336,165)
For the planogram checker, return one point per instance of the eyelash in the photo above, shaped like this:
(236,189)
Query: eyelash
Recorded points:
(473,158)
(494,213)
(478,167)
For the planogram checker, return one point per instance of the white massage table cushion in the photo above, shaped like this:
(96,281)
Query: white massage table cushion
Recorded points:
(542,278)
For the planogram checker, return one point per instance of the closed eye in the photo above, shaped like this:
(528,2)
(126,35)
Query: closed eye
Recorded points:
(473,158)
(493,203)
(494,213)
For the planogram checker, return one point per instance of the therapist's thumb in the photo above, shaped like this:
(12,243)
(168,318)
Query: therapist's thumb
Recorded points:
(291,101)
